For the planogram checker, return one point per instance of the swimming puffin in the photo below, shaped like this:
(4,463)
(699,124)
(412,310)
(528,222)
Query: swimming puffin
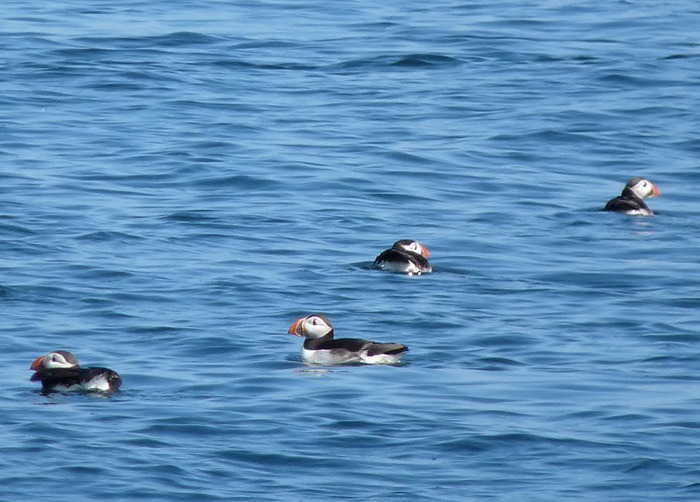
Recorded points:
(405,256)
(630,201)
(321,348)
(60,371)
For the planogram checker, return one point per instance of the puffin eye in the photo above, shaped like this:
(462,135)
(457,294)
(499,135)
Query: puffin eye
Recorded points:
(314,322)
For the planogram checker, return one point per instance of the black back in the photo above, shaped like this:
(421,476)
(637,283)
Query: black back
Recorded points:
(353,345)
(403,256)
(628,201)
(50,378)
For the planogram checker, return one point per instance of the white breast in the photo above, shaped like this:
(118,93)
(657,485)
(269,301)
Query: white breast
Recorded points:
(640,212)
(406,267)
(100,383)
(339,356)
(329,357)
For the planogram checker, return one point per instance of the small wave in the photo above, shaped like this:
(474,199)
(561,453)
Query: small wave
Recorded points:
(175,39)
(408,61)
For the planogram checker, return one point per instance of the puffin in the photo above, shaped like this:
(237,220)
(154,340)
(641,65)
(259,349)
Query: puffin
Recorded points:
(405,256)
(59,371)
(630,201)
(321,348)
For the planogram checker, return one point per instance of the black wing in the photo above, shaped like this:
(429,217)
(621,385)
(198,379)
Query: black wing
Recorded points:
(622,205)
(394,255)
(351,344)
(389,255)
(386,348)
(357,345)
(57,375)
(71,376)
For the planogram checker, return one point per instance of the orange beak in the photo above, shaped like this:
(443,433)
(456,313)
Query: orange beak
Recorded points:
(296,328)
(425,251)
(36,365)
(654,191)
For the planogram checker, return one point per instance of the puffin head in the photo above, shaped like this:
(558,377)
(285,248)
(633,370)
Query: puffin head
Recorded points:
(311,326)
(642,188)
(411,247)
(57,359)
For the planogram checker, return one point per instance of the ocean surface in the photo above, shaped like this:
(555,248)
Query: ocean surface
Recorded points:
(181,180)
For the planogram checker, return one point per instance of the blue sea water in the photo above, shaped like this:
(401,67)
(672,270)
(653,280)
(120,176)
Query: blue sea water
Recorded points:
(181,180)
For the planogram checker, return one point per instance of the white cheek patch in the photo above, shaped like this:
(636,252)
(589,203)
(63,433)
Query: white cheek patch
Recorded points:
(643,189)
(316,330)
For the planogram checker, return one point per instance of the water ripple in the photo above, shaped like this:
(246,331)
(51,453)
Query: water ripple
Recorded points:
(180,184)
